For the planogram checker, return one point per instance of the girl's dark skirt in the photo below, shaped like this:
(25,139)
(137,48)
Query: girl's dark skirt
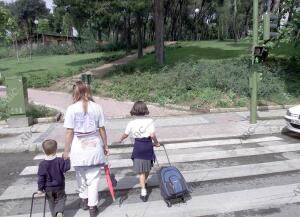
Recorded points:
(142,166)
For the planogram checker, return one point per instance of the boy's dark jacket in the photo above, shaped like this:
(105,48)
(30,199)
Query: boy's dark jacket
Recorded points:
(51,174)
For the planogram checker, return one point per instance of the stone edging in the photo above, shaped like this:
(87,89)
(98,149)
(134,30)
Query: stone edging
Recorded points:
(221,110)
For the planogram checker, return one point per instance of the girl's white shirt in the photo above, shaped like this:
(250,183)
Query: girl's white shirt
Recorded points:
(140,127)
(87,145)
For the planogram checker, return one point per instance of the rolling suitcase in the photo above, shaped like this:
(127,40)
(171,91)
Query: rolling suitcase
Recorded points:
(32,199)
(172,183)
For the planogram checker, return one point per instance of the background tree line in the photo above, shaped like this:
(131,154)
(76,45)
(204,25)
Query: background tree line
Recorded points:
(131,23)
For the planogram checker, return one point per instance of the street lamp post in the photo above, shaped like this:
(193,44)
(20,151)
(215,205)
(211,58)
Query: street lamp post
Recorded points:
(254,77)
(36,22)
(195,23)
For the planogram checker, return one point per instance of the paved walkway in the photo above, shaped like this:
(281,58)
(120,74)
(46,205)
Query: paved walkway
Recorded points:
(112,108)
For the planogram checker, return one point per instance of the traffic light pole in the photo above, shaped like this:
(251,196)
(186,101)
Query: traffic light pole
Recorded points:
(253,79)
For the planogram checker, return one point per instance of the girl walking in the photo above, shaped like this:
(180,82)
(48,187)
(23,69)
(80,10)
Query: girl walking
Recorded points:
(86,143)
(142,130)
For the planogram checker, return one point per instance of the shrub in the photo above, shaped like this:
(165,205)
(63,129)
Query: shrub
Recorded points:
(35,111)
(1,80)
(40,80)
(63,49)
(86,46)
(204,83)
(39,111)
(3,109)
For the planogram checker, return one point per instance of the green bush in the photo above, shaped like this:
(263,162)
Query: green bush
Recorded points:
(86,46)
(1,80)
(204,83)
(35,111)
(40,80)
(63,49)
(3,109)
(38,111)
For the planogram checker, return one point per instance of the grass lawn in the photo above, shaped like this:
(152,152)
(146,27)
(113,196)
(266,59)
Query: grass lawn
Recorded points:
(205,74)
(186,50)
(42,70)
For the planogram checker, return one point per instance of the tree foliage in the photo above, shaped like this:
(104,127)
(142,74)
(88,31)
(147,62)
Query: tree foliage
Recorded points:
(26,11)
(130,23)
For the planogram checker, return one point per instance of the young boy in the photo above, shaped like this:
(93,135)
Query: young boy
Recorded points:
(51,178)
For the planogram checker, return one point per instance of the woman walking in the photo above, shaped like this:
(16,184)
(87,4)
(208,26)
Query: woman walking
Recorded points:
(86,144)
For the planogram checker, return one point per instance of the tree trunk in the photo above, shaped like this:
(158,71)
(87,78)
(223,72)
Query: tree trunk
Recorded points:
(15,41)
(29,44)
(246,23)
(234,21)
(128,33)
(291,11)
(99,34)
(139,34)
(275,6)
(159,31)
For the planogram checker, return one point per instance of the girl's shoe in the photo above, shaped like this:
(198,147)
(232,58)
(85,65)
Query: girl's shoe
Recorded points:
(59,214)
(143,195)
(84,204)
(144,198)
(93,211)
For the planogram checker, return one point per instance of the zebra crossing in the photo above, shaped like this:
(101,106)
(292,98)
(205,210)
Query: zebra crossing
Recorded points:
(224,176)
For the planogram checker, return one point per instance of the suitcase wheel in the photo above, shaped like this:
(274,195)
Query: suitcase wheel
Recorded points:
(169,204)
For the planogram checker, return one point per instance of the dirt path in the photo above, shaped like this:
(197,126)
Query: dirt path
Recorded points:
(65,84)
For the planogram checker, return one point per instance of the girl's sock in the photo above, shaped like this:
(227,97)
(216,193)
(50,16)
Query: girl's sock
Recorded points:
(143,192)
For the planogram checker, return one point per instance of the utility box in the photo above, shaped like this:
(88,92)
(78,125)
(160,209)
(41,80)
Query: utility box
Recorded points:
(17,97)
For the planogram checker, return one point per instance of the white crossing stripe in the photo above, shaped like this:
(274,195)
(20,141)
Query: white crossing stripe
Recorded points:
(212,204)
(184,145)
(18,191)
(197,156)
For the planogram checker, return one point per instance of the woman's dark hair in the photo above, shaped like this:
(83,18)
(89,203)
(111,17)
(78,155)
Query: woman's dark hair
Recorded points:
(139,109)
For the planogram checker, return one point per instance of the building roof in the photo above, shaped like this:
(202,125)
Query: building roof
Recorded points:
(39,35)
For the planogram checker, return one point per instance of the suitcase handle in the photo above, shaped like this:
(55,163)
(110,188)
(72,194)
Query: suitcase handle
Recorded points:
(165,150)
(31,207)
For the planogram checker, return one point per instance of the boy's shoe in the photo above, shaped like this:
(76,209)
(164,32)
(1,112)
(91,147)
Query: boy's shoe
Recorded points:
(59,214)
(144,198)
(84,204)
(93,211)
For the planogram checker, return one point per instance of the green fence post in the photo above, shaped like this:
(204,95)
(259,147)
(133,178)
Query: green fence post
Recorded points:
(17,98)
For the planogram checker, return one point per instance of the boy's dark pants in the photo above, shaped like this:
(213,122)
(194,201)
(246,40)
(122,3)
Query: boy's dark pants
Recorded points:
(56,200)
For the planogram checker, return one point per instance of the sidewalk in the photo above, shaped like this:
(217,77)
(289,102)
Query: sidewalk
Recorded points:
(111,107)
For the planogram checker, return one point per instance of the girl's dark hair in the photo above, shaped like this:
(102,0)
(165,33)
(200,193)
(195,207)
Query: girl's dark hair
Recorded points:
(139,109)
